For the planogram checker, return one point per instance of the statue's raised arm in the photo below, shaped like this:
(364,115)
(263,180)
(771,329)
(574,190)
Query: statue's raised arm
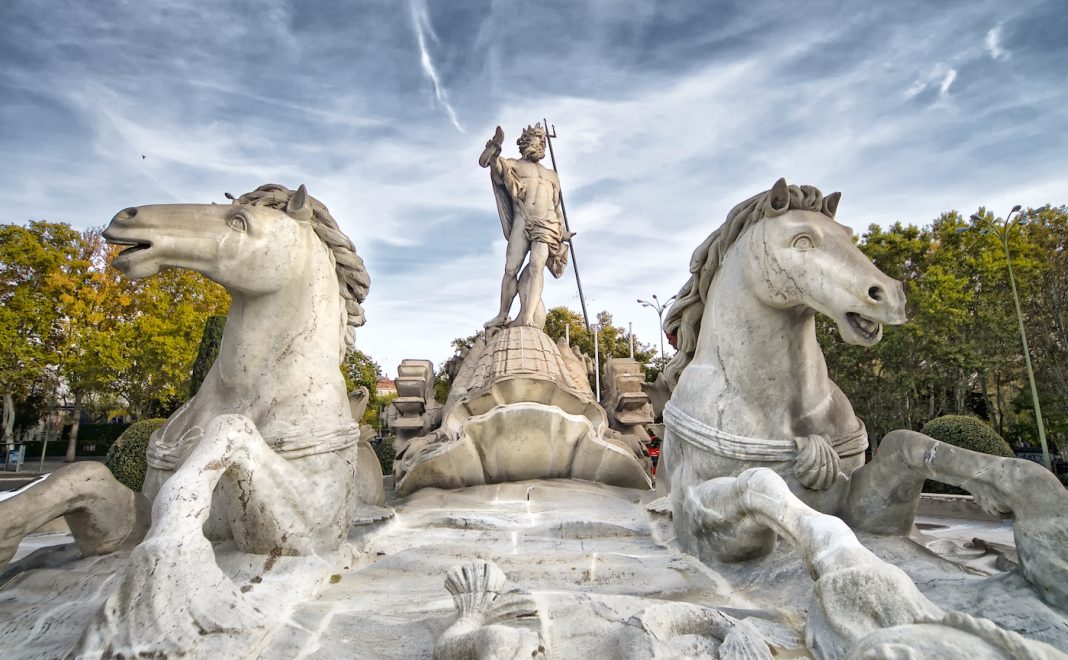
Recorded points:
(491,158)
(493,150)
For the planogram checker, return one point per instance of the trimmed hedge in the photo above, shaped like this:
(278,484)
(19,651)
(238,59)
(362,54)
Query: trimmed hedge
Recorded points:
(210,341)
(126,459)
(968,433)
(385,452)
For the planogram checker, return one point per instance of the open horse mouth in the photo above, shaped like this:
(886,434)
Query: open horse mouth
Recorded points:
(135,246)
(864,326)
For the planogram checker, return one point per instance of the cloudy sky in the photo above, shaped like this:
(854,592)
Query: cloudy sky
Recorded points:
(667,114)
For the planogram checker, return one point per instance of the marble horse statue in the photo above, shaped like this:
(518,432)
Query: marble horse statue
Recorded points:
(750,391)
(265,454)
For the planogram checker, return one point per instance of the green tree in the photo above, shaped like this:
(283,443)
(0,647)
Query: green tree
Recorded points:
(92,310)
(359,369)
(162,337)
(960,350)
(210,341)
(613,341)
(35,272)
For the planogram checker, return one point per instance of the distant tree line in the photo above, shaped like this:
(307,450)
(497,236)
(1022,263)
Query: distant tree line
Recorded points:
(76,332)
(960,351)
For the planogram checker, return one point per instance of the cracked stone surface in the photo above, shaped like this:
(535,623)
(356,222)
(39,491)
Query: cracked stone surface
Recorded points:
(591,555)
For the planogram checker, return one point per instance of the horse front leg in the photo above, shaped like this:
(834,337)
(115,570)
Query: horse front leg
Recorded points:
(103,514)
(855,594)
(173,593)
(884,494)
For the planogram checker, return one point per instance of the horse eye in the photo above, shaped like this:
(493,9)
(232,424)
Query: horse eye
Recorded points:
(803,242)
(237,223)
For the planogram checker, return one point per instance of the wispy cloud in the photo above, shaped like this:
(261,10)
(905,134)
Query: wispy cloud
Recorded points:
(947,81)
(422,26)
(667,115)
(993,44)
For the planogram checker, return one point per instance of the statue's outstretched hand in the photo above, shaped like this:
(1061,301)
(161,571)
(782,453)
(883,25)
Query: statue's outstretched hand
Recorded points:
(493,148)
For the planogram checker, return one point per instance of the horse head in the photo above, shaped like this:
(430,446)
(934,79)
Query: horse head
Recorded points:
(248,248)
(801,258)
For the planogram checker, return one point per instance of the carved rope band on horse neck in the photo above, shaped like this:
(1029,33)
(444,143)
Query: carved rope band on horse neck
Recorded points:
(295,444)
(702,436)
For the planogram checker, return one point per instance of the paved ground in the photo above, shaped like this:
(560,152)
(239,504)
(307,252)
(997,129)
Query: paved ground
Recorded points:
(32,469)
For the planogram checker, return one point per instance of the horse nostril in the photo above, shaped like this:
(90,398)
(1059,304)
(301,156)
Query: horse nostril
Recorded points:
(876,294)
(126,214)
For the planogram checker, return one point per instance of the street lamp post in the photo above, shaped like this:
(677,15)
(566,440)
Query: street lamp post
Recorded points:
(1001,229)
(659,307)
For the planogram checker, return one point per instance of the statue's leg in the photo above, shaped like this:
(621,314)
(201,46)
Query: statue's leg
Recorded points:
(516,252)
(103,514)
(532,283)
(855,594)
(883,496)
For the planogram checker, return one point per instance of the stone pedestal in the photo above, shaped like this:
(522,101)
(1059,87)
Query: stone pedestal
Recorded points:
(520,408)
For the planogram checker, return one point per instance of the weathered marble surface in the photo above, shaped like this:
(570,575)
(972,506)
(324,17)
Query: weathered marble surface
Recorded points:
(264,455)
(528,201)
(752,390)
(602,569)
(520,409)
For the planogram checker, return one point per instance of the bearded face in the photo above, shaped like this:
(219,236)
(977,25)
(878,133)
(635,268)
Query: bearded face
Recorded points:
(532,145)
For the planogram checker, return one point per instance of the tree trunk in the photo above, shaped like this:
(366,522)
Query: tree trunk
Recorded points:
(9,421)
(72,441)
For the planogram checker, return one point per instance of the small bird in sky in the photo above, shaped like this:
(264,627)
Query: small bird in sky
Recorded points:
(142,156)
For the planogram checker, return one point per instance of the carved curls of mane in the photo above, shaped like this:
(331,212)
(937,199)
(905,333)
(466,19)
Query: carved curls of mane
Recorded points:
(352,276)
(684,318)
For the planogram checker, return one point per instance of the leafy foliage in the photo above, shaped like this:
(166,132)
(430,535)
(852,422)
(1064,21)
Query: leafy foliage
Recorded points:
(67,317)
(385,452)
(960,352)
(127,457)
(359,369)
(210,341)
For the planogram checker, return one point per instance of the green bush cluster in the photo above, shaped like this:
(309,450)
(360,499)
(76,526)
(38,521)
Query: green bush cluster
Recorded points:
(210,341)
(126,458)
(968,433)
(385,452)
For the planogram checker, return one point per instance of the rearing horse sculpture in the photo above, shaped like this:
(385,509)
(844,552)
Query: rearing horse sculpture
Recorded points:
(265,454)
(751,390)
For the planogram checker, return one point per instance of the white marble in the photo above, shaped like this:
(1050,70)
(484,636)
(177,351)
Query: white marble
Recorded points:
(607,576)
(751,390)
(528,201)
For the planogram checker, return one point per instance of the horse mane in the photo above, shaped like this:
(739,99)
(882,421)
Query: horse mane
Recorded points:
(352,276)
(684,318)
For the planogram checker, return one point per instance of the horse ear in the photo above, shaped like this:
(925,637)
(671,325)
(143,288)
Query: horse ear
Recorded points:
(779,199)
(830,204)
(298,207)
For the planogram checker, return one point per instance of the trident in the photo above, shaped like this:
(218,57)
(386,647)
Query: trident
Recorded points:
(550,133)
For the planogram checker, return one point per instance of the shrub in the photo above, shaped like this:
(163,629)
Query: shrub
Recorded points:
(126,458)
(968,433)
(210,341)
(385,452)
